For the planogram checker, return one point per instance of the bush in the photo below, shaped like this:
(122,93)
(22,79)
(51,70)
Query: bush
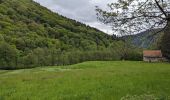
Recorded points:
(134,56)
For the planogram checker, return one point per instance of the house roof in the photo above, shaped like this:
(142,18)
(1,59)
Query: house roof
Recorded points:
(152,53)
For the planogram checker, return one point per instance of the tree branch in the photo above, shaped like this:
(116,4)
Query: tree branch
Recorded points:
(159,31)
(161,9)
(142,5)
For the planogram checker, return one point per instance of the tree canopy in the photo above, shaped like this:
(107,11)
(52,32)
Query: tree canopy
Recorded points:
(134,16)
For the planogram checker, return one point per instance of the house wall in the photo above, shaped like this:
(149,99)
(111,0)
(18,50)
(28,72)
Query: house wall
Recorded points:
(148,59)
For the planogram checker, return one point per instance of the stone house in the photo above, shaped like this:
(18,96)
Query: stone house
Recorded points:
(152,56)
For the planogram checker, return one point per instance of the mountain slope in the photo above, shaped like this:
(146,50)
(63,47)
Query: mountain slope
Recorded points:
(24,19)
(32,35)
(146,39)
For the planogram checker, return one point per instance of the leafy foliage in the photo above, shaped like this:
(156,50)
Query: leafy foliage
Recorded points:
(8,55)
(32,36)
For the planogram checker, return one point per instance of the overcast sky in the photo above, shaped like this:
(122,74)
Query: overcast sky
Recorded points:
(80,10)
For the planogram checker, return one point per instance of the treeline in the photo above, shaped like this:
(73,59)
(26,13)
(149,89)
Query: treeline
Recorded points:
(12,58)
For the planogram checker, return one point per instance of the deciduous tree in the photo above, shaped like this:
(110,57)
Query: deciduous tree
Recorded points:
(133,16)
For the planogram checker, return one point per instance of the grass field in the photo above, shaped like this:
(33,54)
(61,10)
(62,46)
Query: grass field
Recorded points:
(87,81)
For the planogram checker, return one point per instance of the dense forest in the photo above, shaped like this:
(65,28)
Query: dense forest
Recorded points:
(33,36)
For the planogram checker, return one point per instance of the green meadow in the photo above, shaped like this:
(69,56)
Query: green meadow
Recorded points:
(96,80)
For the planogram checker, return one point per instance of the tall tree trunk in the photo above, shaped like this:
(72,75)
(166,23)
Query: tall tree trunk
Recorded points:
(165,44)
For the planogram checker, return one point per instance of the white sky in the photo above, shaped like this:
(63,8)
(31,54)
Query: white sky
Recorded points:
(80,10)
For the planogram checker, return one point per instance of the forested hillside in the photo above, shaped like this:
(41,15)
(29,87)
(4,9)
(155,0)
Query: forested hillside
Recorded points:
(149,39)
(32,36)
(27,20)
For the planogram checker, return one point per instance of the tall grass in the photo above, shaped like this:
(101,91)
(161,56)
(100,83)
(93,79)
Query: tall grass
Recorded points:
(87,81)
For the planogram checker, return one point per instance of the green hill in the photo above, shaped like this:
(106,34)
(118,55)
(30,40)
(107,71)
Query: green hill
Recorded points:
(29,25)
(32,35)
